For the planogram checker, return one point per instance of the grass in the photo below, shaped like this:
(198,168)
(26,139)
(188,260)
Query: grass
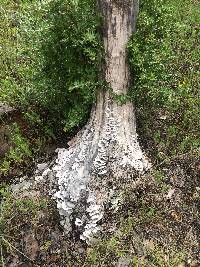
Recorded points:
(54,89)
(164,60)
(15,211)
(124,243)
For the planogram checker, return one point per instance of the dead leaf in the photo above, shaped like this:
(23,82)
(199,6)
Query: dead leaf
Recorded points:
(170,193)
(150,244)
(53,258)
(14,262)
(176,216)
(89,251)
(182,264)
(194,263)
(31,246)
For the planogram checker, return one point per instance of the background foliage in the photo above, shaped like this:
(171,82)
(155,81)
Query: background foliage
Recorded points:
(50,52)
(164,60)
(49,56)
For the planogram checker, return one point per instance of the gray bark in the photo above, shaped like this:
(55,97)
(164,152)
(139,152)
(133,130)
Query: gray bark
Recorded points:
(106,151)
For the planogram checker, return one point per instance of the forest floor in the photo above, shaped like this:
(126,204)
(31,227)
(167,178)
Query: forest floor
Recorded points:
(157,222)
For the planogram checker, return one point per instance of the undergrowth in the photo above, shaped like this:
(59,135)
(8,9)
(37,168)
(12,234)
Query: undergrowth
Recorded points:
(163,56)
(50,52)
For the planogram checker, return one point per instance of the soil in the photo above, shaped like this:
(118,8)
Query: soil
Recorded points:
(157,219)
(163,206)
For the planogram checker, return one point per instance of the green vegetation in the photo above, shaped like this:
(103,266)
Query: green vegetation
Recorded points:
(50,51)
(49,56)
(14,212)
(18,152)
(123,244)
(164,59)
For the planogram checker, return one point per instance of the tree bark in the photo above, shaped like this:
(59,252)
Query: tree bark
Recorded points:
(106,151)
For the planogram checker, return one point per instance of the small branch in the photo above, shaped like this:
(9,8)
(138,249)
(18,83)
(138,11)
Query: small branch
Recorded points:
(13,247)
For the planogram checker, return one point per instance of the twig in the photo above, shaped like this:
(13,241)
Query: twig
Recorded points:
(13,247)
(2,258)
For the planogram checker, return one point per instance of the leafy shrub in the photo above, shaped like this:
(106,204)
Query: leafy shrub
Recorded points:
(19,150)
(164,60)
(51,55)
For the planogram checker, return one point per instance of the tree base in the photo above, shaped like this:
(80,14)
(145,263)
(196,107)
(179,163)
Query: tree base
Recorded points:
(99,158)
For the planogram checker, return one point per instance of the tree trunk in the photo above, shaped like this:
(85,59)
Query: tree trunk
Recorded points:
(106,150)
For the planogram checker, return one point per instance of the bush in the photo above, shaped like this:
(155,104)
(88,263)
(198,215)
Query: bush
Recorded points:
(164,60)
(50,56)
(18,152)
(51,52)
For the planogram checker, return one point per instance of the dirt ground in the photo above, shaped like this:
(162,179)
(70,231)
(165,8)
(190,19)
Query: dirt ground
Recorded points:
(157,224)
